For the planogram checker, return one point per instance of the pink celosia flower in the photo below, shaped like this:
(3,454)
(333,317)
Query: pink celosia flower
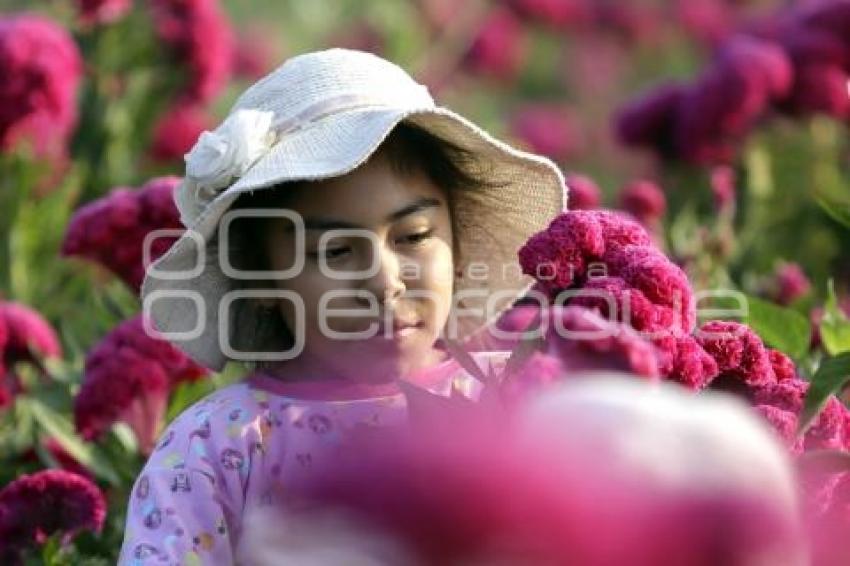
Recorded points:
(558,14)
(499,48)
(819,88)
(558,256)
(738,351)
(723,187)
(201,37)
(709,21)
(649,120)
(177,131)
(645,201)
(35,506)
(582,340)
(128,377)
(112,229)
(254,55)
(790,283)
(550,130)
(102,11)
(27,338)
(584,194)
(633,21)
(41,69)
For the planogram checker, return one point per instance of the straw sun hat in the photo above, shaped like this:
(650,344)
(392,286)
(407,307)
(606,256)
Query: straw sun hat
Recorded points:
(321,115)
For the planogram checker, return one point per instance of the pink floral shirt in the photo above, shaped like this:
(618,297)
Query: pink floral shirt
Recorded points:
(243,445)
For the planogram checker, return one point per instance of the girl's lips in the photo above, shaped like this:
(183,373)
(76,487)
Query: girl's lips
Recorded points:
(399,330)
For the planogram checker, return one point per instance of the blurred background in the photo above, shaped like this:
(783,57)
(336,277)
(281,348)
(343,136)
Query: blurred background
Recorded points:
(721,125)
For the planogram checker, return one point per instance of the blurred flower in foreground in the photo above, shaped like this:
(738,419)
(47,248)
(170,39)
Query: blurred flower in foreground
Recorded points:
(112,229)
(24,338)
(201,37)
(584,194)
(601,458)
(102,11)
(38,505)
(41,69)
(128,377)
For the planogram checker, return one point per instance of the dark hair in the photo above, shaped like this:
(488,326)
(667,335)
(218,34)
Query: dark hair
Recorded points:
(410,150)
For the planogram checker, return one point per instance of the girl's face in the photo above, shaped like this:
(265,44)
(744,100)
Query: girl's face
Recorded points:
(400,227)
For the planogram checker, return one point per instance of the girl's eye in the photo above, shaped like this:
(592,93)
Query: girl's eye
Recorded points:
(332,253)
(417,238)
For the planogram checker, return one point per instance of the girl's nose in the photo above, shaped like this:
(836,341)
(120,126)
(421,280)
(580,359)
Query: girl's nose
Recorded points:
(387,284)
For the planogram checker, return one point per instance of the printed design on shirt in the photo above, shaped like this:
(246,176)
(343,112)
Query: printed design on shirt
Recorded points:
(180,482)
(237,418)
(304,459)
(202,432)
(153,519)
(143,488)
(232,459)
(166,440)
(145,550)
(319,424)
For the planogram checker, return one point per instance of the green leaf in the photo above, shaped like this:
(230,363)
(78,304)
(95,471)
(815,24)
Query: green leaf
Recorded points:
(781,328)
(57,426)
(831,377)
(836,209)
(835,326)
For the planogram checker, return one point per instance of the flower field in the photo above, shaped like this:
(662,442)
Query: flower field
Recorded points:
(705,145)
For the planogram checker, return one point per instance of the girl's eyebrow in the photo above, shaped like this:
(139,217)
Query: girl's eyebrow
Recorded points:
(423,203)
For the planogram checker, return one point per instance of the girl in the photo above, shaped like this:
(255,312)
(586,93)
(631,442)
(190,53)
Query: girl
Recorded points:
(339,224)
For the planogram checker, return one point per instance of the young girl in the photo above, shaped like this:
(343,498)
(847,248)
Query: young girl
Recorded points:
(339,225)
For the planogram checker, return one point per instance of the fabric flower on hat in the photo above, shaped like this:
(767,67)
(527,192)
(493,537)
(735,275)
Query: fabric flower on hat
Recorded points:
(128,377)
(41,69)
(221,156)
(111,230)
(35,506)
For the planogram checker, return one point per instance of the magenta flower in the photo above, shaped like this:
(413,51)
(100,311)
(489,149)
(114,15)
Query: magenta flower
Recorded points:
(790,283)
(499,48)
(708,21)
(35,506)
(723,187)
(24,337)
(739,352)
(255,54)
(649,120)
(112,229)
(584,194)
(548,129)
(820,88)
(41,69)
(128,377)
(645,201)
(177,131)
(201,37)
(558,14)
(102,11)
